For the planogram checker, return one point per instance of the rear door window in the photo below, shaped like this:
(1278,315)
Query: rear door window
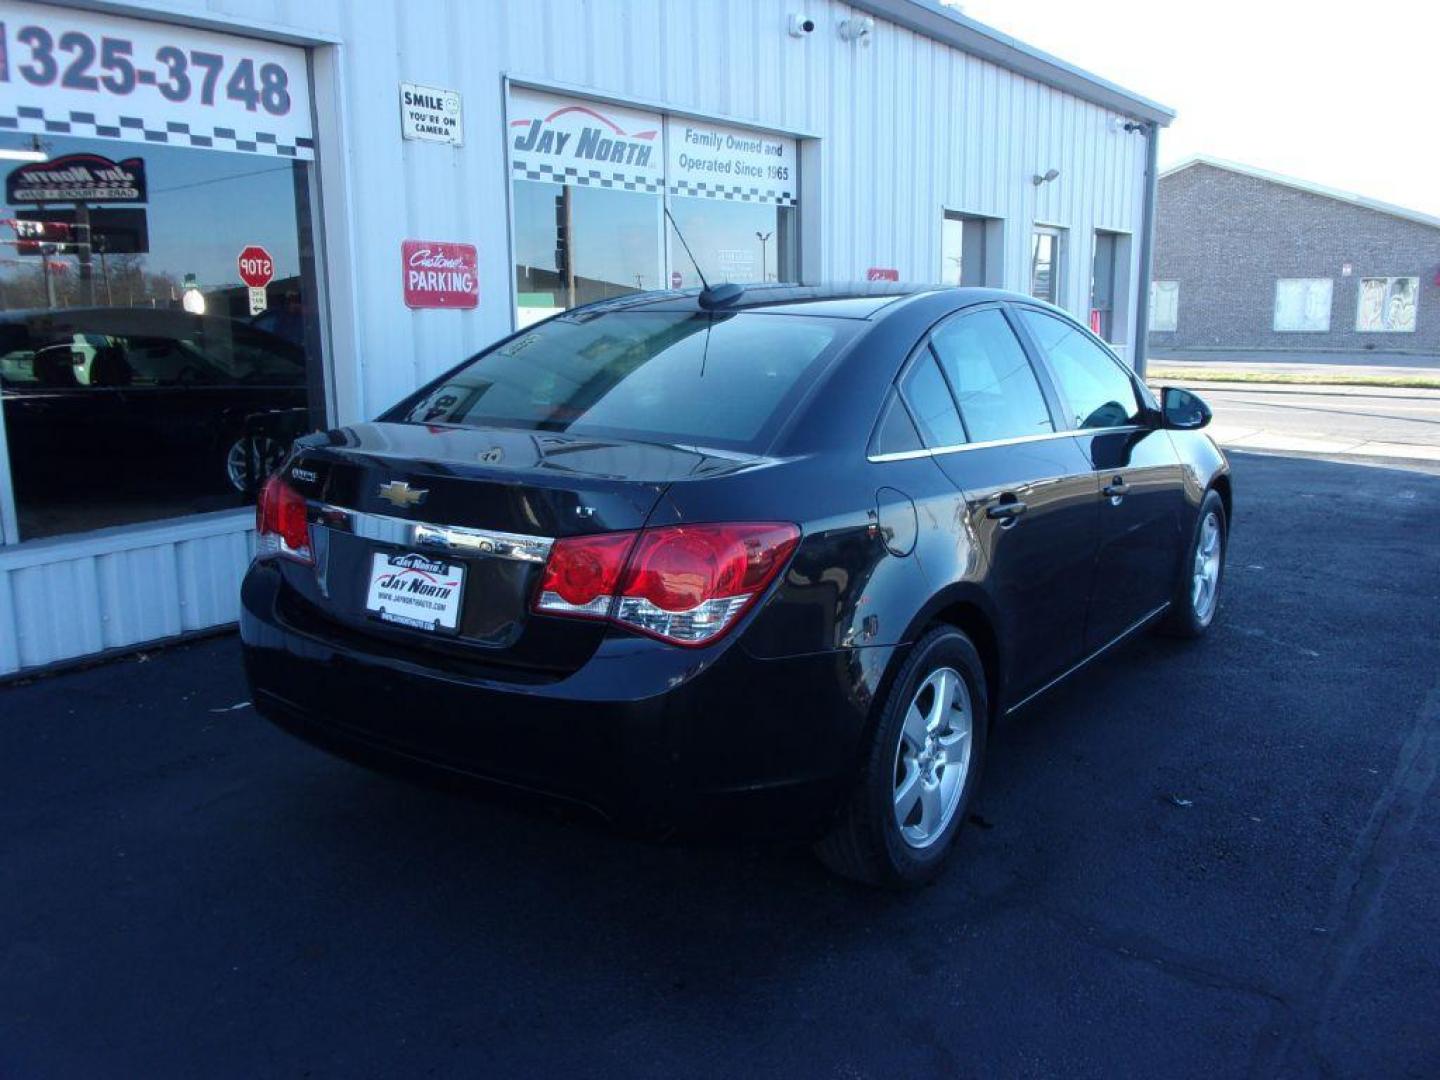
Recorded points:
(727,381)
(1097,390)
(895,434)
(999,396)
(931,404)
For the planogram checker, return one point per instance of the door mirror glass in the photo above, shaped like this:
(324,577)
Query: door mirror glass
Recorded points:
(1183,410)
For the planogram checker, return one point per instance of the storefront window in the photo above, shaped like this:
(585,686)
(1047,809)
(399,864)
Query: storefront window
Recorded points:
(591,182)
(159,338)
(732,191)
(732,241)
(139,379)
(575,244)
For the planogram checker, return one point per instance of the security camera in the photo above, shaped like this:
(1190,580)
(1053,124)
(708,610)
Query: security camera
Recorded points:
(800,26)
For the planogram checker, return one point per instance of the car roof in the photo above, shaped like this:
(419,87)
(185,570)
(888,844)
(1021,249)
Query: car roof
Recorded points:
(841,300)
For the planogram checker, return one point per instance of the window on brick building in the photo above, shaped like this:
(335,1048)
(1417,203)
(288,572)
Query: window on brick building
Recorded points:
(1387,305)
(1164,305)
(1303,304)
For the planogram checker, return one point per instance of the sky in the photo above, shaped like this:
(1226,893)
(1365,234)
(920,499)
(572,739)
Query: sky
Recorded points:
(1340,94)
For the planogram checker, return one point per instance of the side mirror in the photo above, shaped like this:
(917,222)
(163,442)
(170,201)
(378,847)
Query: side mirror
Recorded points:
(1182,410)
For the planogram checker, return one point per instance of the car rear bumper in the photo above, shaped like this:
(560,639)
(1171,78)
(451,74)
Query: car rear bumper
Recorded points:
(644,732)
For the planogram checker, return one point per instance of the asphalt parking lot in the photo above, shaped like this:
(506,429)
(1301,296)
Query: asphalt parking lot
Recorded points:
(1193,860)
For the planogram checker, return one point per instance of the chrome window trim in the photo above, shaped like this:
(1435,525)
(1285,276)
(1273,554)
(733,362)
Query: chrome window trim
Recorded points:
(456,539)
(936,451)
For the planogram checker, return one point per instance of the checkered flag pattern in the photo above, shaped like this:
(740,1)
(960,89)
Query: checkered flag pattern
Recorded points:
(172,133)
(589,177)
(733,192)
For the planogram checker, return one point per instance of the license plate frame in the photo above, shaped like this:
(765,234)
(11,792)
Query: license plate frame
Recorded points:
(415,591)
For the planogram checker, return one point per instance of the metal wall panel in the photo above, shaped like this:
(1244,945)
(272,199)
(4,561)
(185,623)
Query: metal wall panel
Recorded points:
(907,128)
(65,599)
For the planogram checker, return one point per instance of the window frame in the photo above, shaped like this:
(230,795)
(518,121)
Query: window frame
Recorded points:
(923,348)
(1149,408)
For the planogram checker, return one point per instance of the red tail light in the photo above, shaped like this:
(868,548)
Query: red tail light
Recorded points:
(581,574)
(686,584)
(280,524)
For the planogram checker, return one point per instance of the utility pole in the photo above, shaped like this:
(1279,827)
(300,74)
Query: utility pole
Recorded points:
(83,251)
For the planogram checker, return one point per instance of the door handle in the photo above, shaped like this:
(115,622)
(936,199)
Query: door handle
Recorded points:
(1007,513)
(1116,490)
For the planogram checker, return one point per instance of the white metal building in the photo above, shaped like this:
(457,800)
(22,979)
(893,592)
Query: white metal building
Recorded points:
(224,209)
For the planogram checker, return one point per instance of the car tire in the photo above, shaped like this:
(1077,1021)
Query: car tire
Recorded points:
(1192,609)
(880,837)
(270,452)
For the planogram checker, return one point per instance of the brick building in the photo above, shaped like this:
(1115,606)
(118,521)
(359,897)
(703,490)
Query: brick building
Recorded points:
(1246,259)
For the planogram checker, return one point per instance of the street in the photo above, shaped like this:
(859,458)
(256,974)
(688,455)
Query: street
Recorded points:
(1194,859)
(1375,423)
(1372,361)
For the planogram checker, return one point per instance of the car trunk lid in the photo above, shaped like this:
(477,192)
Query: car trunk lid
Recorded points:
(428,509)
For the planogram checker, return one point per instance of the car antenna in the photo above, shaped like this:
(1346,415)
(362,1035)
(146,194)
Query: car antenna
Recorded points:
(710,297)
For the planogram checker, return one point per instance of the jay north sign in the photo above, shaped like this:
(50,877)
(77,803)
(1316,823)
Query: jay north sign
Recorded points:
(594,143)
(86,178)
(566,140)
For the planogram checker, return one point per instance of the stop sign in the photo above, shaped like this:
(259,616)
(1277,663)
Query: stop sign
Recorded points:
(256,266)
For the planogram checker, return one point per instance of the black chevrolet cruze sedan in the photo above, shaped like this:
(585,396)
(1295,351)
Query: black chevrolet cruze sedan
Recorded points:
(777,560)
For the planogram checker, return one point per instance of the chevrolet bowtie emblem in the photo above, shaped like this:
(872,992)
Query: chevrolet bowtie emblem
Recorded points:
(401,494)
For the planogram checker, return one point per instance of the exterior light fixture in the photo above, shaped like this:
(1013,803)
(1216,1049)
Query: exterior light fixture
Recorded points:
(858,29)
(192,299)
(1037,179)
(24,155)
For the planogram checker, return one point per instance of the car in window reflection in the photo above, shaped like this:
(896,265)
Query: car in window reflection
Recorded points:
(87,388)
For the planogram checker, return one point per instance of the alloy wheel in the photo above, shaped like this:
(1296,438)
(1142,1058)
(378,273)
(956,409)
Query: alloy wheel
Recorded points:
(268,454)
(933,757)
(1205,580)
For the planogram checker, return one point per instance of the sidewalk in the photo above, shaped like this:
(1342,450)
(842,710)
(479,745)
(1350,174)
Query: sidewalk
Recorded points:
(1311,420)
(1358,363)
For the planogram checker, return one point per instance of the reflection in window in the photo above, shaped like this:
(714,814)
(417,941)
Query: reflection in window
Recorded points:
(575,244)
(716,380)
(991,375)
(930,402)
(1097,389)
(733,241)
(1046,253)
(137,383)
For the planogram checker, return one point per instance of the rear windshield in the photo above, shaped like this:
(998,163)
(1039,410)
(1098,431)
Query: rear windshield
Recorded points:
(727,381)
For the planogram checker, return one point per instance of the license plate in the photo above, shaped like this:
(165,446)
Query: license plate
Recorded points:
(412,590)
